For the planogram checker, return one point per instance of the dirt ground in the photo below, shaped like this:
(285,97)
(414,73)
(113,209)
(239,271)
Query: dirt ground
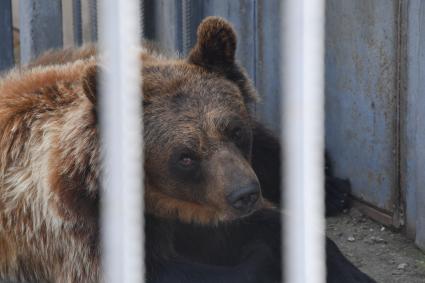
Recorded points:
(385,255)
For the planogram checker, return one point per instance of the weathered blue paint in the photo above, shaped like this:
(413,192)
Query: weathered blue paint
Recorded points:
(93,16)
(163,23)
(6,35)
(77,21)
(89,20)
(196,10)
(186,26)
(361,97)
(257,26)
(267,68)
(40,27)
(414,146)
(364,100)
(241,13)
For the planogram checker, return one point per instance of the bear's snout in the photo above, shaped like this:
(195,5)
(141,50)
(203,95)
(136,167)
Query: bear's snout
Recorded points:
(245,198)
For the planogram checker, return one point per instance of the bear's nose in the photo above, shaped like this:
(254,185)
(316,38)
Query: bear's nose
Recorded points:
(244,198)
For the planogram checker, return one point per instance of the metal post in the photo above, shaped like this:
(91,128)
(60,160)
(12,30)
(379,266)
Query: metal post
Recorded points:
(77,20)
(121,125)
(303,108)
(186,26)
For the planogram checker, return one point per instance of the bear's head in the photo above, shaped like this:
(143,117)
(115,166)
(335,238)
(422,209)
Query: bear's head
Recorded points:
(198,131)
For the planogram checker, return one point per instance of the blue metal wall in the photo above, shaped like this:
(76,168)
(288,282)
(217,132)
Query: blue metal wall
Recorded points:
(414,122)
(362,97)
(6,35)
(375,105)
(40,27)
(257,24)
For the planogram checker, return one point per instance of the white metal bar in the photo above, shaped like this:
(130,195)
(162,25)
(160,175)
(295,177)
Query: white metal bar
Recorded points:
(121,121)
(303,108)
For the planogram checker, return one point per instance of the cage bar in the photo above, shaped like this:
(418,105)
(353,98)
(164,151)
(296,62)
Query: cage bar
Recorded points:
(122,128)
(303,120)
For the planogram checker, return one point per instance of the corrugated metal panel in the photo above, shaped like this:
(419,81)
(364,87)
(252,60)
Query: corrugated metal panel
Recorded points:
(68,19)
(241,13)
(41,27)
(361,97)
(163,23)
(6,35)
(268,54)
(77,22)
(196,10)
(257,24)
(414,158)
(362,70)
(89,20)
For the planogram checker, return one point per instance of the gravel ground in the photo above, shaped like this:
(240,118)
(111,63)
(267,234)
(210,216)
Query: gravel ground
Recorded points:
(385,255)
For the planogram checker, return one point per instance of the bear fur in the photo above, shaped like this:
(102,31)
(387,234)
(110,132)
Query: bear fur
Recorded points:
(200,138)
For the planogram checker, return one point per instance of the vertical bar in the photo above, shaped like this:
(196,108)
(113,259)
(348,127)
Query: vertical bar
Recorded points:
(196,16)
(41,27)
(415,115)
(78,28)
(242,15)
(68,23)
(89,20)
(165,24)
(142,17)
(268,52)
(303,122)
(6,35)
(93,16)
(186,26)
(121,125)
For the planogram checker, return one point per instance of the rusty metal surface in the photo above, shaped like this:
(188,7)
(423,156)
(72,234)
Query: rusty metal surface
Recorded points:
(361,97)
(373,213)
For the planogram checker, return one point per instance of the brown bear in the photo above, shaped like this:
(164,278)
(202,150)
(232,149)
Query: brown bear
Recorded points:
(198,145)
(206,218)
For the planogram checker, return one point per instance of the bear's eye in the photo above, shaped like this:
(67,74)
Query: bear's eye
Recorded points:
(185,165)
(186,160)
(237,134)
(240,135)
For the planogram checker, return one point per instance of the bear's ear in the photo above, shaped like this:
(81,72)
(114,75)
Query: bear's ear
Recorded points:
(89,81)
(216,44)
